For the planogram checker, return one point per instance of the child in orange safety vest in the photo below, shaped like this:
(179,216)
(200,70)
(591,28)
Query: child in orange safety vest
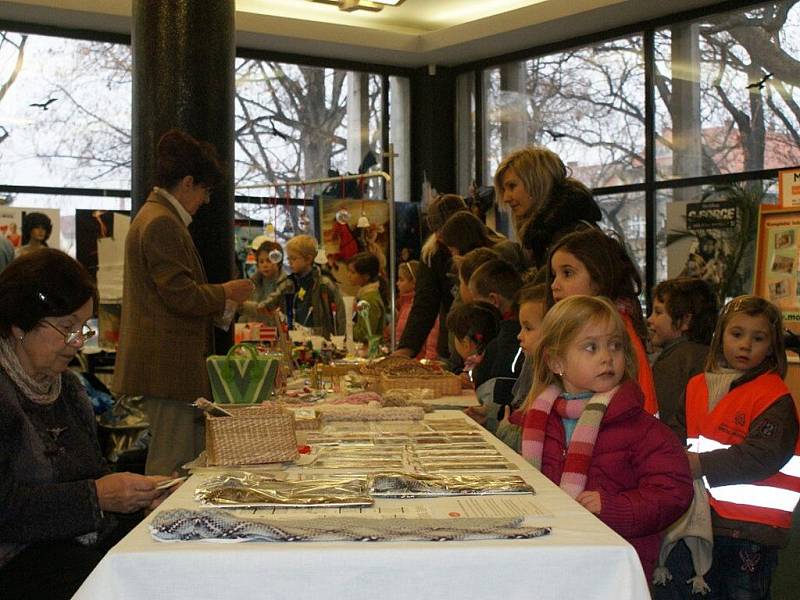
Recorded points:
(742,439)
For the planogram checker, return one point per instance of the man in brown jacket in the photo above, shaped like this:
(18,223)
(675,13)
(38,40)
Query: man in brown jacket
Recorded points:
(168,306)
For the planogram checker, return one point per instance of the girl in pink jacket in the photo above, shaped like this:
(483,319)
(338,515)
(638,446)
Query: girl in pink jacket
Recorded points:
(406,286)
(585,427)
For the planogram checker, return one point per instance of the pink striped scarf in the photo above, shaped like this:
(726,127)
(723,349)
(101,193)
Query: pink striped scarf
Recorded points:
(589,413)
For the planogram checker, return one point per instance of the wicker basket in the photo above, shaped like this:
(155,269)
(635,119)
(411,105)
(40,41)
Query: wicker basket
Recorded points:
(254,435)
(445,384)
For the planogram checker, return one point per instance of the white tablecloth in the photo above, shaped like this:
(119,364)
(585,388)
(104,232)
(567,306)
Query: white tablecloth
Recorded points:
(581,558)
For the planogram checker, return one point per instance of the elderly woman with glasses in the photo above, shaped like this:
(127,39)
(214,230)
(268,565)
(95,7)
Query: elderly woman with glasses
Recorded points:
(60,507)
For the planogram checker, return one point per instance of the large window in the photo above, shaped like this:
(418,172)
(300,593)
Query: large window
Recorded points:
(586,104)
(65,122)
(725,118)
(303,123)
(727,95)
(65,112)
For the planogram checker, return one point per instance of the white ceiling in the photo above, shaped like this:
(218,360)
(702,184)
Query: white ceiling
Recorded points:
(416,33)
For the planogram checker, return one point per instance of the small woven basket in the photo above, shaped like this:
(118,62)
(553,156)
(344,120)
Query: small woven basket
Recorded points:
(445,384)
(254,435)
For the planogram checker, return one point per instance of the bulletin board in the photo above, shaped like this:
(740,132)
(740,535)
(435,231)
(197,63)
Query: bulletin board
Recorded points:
(777,269)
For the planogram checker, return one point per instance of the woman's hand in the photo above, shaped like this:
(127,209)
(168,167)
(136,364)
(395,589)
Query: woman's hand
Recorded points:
(590,501)
(238,290)
(466,381)
(127,492)
(166,492)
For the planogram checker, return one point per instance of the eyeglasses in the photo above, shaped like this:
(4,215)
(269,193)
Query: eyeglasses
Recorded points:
(74,338)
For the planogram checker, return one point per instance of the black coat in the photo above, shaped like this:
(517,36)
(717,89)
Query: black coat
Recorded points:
(560,215)
(432,298)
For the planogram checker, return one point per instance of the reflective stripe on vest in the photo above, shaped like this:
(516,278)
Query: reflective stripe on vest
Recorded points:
(761,495)
(769,501)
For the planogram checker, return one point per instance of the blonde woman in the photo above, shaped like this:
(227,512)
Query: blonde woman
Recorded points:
(545,202)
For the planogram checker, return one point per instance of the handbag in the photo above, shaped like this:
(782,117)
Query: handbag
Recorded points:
(237,379)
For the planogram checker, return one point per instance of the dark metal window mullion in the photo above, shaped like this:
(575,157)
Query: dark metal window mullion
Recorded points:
(385,124)
(478,92)
(650,207)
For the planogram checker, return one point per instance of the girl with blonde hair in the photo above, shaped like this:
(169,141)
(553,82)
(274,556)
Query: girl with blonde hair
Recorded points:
(586,430)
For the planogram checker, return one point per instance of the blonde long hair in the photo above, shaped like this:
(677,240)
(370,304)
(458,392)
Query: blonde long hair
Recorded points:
(562,323)
(539,169)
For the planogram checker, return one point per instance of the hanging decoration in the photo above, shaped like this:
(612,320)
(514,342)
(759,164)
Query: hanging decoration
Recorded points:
(288,212)
(343,216)
(363,221)
(303,220)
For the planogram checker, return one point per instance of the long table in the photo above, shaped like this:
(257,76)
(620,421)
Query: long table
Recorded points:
(581,558)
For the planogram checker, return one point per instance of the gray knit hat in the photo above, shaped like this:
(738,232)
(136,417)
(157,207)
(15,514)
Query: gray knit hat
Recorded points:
(442,208)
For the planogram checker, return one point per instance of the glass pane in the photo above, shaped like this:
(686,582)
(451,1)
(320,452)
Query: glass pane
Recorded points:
(625,214)
(720,250)
(287,221)
(400,135)
(586,104)
(65,112)
(297,122)
(727,95)
(270,217)
(63,235)
(465,131)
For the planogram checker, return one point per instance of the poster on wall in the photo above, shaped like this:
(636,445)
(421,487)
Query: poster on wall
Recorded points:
(11,226)
(342,238)
(714,240)
(91,226)
(789,188)
(100,247)
(777,261)
(244,232)
(13,218)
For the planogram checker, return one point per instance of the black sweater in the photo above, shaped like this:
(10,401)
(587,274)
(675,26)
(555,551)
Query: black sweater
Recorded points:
(49,459)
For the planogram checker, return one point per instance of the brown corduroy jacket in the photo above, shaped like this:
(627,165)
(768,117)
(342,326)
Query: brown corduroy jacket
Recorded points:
(167,309)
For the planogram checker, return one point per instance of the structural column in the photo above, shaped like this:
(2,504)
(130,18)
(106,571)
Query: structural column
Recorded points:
(183,76)
(433,93)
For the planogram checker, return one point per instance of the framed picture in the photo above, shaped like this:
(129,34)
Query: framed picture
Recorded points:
(342,237)
(777,264)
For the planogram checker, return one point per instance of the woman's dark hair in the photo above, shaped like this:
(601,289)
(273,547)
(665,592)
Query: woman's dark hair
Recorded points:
(366,263)
(179,155)
(610,266)
(33,220)
(465,232)
(692,297)
(477,321)
(45,283)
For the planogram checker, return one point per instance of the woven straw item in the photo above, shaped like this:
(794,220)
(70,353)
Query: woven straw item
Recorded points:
(253,435)
(442,385)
